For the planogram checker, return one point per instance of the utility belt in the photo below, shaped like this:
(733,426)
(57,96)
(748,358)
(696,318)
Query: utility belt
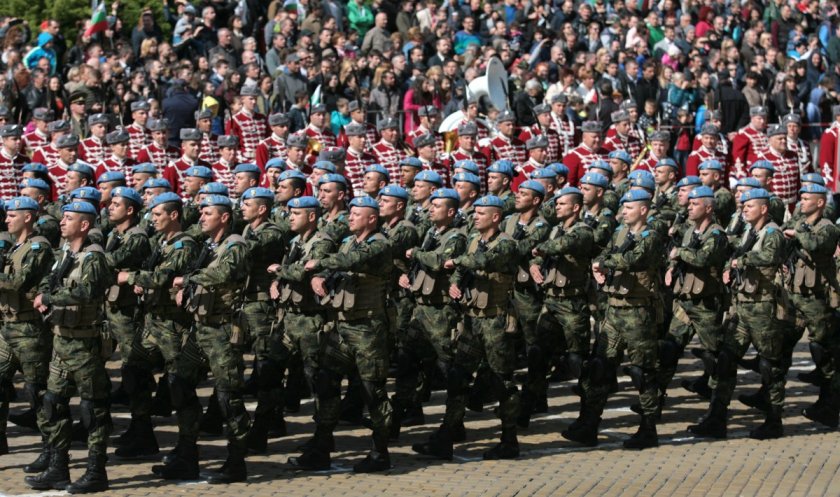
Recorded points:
(166,312)
(214,319)
(85,332)
(632,301)
(487,312)
(559,292)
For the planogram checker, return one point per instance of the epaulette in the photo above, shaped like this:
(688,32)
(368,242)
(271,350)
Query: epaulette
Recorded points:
(539,224)
(36,246)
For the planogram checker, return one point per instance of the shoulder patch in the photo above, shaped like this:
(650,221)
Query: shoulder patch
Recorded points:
(645,233)
(41,221)
(178,245)
(539,224)
(771,229)
(36,246)
(716,231)
(346,238)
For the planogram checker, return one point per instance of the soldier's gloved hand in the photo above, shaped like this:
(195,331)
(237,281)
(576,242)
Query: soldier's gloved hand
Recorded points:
(536,274)
(404,282)
(274,290)
(454,292)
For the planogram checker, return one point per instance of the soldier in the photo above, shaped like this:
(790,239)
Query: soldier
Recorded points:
(829,143)
(499,178)
(620,163)
(785,183)
(296,146)
(25,341)
(589,150)
(425,183)
(629,270)
(317,131)
(273,169)
(105,184)
(45,225)
(71,297)
(11,160)
(332,194)
(174,171)
(665,197)
(47,154)
(721,144)
(537,151)
(139,135)
(248,125)
(38,137)
(470,109)
(290,184)
(388,150)
(353,283)
(793,125)
(210,294)
(375,179)
(543,128)
(428,156)
(142,172)
(752,271)
(467,141)
(194,179)
(708,150)
(764,171)
(594,213)
(811,278)
(357,158)
(428,115)
(660,142)
(694,273)
(506,145)
(619,136)
(158,151)
(547,177)
(223,168)
(119,160)
(711,172)
(560,266)
(527,228)
(358,115)
(748,143)
(92,150)
(562,124)
(410,167)
(93,197)
(275,145)
(166,334)
(482,281)
(209,147)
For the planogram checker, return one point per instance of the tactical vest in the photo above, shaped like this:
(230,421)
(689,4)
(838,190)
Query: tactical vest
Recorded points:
(359,295)
(489,292)
(298,296)
(700,281)
(217,303)
(14,305)
(123,295)
(162,303)
(432,287)
(259,280)
(523,277)
(758,282)
(77,320)
(814,276)
(568,274)
(632,287)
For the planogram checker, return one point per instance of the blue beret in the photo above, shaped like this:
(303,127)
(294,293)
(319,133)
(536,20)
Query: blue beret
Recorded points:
(595,179)
(163,198)
(429,177)
(247,167)
(146,167)
(22,204)
(216,201)
(814,188)
(568,190)
(702,192)
(755,193)
(621,155)
(214,188)
(258,192)
(490,201)
(364,201)
(82,168)
(35,167)
(276,163)
(763,164)
(157,183)
(324,165)
(502,167)
(467,165)
(711,164)
(378,168)
(87,193)
(644,181)
(749,181)
(689,181)
(291,174)
(202,172)
(467,177)
(449,193)
(80,207)
(36,183)
(635,196)
(815,178)
(332,178)
(394,191)
(559,168)
(544,173)
(667,161)
(413,162)
(303,203)
(602,165)
(127,193)
(533,185)
(640,173)
(109,176)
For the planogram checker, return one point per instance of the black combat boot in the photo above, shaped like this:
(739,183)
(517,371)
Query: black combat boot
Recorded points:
(772,426)
(700,386)
(57,474)
(143,443)
(378,459)
(26,419)
(42,462)
(713,425)
(438,446)
(584,430)
(507,448)
(95,478)
(162,401)
(257,439)
(182,465)
(316,457)
(758,400)
(645,437)
(233,470)
(826,410)
(212,422)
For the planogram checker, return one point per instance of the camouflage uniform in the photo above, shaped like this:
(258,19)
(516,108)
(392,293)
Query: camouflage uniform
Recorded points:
(335,228)
(47,226)
(724,205)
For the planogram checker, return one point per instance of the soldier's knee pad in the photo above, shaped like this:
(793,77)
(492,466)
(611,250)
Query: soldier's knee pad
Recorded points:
(574,362)
(765,369)
(181,391)
(56,407)
(327,384)
(637,377)
(669,352)
(88,413)
(269,374)
(818,353)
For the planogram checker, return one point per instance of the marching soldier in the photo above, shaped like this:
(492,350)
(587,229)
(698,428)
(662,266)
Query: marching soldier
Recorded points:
(543,127)
(764,171)
(499,178)
(158,151)
(708,150)
(139,135)
(711,174)
(748,143)
(375,178)
(332,194)
(275,145)
(92,149)
(595,214)
(506,145)
(209,147)
(589,150)
(387,150)
(45,225)
(248,125)
(194,180)
(71,297)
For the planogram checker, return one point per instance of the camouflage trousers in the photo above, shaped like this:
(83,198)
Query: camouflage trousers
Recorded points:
(77,364)
(483,339)
(301,339)
(700,316)
(167,342)
(759,326)
(562,327)
(270,355)
(359,344)
(633,328)
(426,344)
(226,364)
(817,316)
(124,327)
(25,345)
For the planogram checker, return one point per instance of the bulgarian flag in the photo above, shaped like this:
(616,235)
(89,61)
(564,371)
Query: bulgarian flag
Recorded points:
(98,21)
